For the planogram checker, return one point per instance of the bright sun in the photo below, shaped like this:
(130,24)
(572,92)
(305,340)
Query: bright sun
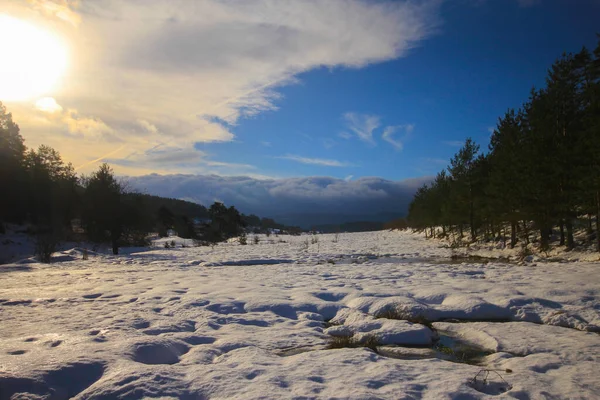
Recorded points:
(33,61)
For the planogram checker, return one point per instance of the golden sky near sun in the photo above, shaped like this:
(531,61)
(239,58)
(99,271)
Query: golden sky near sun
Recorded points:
(37,61)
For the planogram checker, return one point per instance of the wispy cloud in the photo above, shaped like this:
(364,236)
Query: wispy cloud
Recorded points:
(169,159)
(362,125)
(316,161)
(390,131)
(453,143)
(434,161)
(328,143)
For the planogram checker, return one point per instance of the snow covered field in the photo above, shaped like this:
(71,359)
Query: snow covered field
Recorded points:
(255,321)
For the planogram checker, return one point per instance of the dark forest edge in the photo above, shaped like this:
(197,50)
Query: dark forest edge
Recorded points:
(542,170)
(45,193)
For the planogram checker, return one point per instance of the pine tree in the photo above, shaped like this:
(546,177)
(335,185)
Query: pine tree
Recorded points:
(12,175)
(461,171)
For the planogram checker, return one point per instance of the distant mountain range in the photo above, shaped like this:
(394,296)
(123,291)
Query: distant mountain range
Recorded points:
(304,202)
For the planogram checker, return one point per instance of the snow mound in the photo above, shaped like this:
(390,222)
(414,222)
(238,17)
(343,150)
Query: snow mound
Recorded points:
(386,331)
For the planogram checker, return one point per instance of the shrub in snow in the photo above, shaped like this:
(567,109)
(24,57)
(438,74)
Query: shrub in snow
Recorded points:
(135,238)
(256,239)
(525,253)
(304,245)
(342,342)
(243,240)
(46,243)
(403,315)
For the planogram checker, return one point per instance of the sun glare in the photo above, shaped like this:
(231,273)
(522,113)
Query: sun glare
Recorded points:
(48,104)
(35,60)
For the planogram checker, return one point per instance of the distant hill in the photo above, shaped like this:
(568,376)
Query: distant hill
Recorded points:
(357,226)
(176,206)
(329,220)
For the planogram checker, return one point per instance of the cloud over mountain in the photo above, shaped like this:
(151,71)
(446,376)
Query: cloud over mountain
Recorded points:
(324,198)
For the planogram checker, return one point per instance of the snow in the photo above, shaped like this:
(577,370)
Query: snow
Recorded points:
(255,321)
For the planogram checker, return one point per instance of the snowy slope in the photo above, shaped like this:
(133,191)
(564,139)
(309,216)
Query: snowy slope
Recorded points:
(254,322)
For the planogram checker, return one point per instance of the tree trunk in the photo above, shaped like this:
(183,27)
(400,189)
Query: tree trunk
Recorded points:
(589,231)
(115,248)
(460,229)
(570,239)
(545,237)
(526,232)
(513,234)
(598,221)
(562,232)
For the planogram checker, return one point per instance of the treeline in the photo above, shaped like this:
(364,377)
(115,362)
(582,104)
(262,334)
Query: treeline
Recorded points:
(46,193)
(267,225)
(354,226)
(542,169)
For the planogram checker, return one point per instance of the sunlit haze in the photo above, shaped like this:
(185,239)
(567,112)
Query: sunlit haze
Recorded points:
(33,63)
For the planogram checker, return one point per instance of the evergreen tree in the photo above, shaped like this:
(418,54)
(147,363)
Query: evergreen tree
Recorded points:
(12,176)
(103,213)
(166,220)
(462,194)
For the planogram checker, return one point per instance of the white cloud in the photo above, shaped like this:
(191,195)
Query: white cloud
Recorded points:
(390,131)
(151,128)
(362,125)
(172,63)
(88,127)
(315,161)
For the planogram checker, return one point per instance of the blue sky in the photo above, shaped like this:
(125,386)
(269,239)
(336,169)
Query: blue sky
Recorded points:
(337,107)
(336,88)
(483,59)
